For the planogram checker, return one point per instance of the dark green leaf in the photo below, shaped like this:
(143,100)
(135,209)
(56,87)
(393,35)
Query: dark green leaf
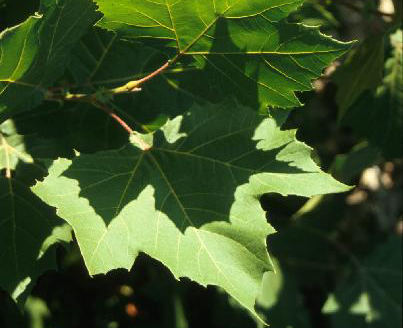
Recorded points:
(362,70)
(28,229)
(34,54)
(379,118)
(240,47)
(372,295)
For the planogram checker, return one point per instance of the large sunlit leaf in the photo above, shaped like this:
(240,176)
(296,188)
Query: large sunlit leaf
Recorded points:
(34,54)
(239,47)
(191,200)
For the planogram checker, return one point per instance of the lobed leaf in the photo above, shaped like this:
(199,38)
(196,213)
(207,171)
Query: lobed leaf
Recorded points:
(191,201)
(239,47)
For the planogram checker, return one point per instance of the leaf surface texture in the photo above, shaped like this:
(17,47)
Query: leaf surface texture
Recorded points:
(191,201)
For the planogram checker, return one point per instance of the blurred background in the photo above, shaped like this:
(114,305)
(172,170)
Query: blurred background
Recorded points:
(338,257)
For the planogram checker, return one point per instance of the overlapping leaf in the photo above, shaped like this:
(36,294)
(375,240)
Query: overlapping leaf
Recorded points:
(372,296)
(379,118)
(12,147)
(363,70)
(102,60)
(241,47)
(28,228)
(33,54)
(281,301)
(191,201)
(28,148)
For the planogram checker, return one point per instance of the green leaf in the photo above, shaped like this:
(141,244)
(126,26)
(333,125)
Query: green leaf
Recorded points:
(281,301)
(102,60)
(24,155)
(347,167)
(12,147)
(397,19)
(372,295)
(28,227)
(191,201)
(28,230)
(239,47)
(362,70)
(34,54)
(315,13)
(379,118)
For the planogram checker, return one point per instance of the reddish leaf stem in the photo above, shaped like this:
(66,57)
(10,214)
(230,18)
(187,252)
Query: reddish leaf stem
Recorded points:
(134,85)
(156,72)
(143,145)
(112,114)
(92,99)
(121,122)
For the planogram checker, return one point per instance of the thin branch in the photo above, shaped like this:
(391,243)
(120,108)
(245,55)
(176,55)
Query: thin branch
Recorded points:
(136,76)
(134,85)
(131,86)
(59,94)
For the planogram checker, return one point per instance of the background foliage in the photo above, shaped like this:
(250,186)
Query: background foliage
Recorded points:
(337,257)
